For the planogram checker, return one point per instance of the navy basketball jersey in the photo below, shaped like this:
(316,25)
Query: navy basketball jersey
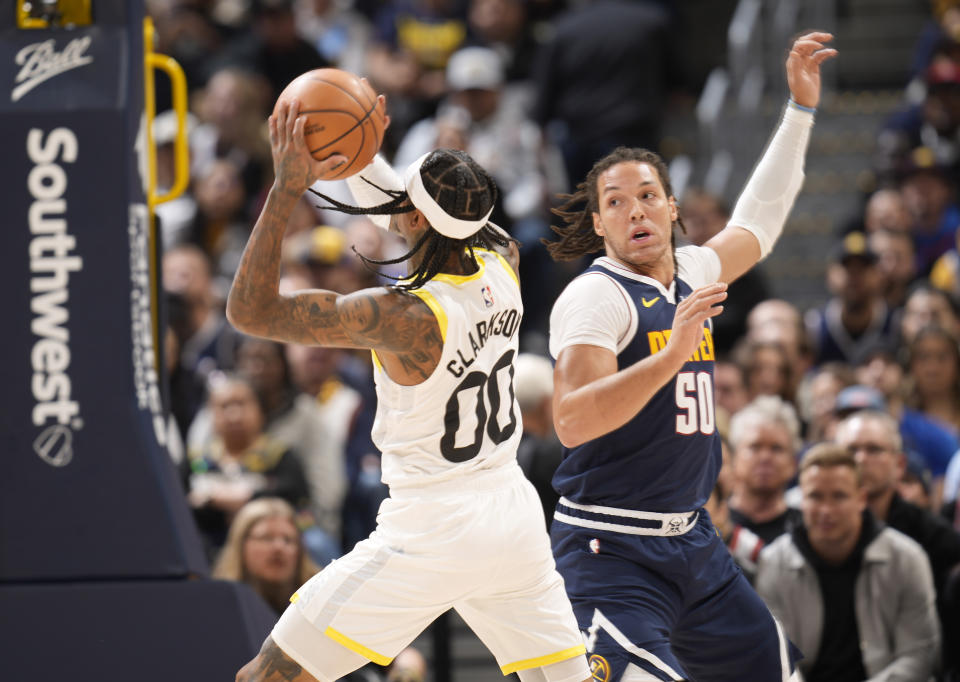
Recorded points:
(666,458)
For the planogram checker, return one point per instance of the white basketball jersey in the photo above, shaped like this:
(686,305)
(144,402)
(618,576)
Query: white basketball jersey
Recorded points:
(464,418)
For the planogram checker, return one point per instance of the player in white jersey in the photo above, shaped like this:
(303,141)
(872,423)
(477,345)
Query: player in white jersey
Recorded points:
(462,527)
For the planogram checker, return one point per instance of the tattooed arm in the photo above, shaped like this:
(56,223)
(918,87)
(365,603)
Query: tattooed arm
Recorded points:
(272,665)
(397,324)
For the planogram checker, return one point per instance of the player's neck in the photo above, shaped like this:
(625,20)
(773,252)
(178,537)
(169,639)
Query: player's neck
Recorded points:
(662,270)
(460,264)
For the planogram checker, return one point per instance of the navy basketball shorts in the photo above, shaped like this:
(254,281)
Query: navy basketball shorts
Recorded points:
(675,607)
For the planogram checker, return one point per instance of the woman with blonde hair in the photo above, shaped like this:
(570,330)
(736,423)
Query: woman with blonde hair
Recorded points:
(264,549)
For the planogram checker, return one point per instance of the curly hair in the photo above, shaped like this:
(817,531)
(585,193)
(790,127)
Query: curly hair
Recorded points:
(577,237)
(464,190)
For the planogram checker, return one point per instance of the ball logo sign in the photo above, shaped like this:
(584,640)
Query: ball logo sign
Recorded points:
(54,445)
(40,62)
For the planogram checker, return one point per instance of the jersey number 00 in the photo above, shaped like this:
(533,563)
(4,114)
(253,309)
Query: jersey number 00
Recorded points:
(476,384)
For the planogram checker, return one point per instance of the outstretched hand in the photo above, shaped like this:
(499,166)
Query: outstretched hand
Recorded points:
(295,168)
(803,67)
(692,312)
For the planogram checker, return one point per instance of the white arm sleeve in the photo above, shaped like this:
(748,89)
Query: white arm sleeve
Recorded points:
(698,266)
(593,310)
(766,200)
(380,174)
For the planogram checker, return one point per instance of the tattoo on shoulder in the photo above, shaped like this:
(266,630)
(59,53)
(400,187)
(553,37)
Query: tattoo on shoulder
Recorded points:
(362,314)
(276,665)
(323,319)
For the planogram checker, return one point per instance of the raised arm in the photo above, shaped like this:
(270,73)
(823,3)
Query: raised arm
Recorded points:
(768,196)
(380,318)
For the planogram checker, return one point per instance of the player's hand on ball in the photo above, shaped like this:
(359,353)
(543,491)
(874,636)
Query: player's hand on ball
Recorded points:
(807,53)
(687,331)
(381,105)
(293,165)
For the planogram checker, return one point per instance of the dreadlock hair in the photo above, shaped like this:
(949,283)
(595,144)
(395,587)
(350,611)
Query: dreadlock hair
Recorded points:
(464,190)
(577,236)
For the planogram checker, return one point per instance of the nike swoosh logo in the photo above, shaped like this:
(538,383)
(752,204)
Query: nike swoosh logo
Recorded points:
(646,303)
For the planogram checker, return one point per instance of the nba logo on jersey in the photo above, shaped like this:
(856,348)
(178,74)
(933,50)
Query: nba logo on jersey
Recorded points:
(487,294)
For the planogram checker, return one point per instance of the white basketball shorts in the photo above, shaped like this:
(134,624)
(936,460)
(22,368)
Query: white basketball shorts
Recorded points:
(476,545)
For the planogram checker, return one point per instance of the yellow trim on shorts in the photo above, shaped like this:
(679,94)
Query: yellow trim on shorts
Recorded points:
(295,597)
(435,306)
(358,648)
(541,661)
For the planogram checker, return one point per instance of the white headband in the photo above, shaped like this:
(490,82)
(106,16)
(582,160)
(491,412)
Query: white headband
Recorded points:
(439,219)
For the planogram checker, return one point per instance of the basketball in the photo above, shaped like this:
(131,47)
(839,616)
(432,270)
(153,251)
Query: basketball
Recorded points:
(344,117)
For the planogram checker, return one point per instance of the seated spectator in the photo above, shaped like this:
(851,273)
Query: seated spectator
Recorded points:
(504,26)
(765,437)
(896,260)
(239,462)
(766,369)
(336,30)
(916,485)
(272,46)
(296,420)
(409,49)
(539,453)
(933,380)
(925,306)
(232,107)
(220,226)
(932,442)
(873,440)
(856,597)
(856,316)
(820,405)
(264,550)
(928,192)
(206,340)
(885,210)
(780,322)
(729,387)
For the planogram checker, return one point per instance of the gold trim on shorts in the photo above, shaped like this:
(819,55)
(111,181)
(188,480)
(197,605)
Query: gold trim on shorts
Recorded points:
(358,648)
(541,661)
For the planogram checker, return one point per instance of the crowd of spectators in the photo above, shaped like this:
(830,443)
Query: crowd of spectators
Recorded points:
(841,486)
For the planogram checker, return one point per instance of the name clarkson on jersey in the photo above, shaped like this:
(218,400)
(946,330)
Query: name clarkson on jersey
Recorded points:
(502,323)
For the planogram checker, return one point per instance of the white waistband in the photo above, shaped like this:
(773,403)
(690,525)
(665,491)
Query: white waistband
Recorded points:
(462,484)
(672,523)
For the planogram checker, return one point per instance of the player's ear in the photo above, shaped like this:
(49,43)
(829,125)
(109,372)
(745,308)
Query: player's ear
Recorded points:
(597,225)
(674,213)
(418,221)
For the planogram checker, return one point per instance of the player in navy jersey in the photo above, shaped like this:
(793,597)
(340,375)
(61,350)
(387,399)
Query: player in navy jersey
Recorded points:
(653,586)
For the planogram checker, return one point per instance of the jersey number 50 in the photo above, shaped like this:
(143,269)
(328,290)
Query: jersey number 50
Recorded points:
(480,383)
(695,402)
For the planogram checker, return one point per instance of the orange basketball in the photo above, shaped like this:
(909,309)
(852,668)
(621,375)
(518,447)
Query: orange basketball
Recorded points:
(343,117)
